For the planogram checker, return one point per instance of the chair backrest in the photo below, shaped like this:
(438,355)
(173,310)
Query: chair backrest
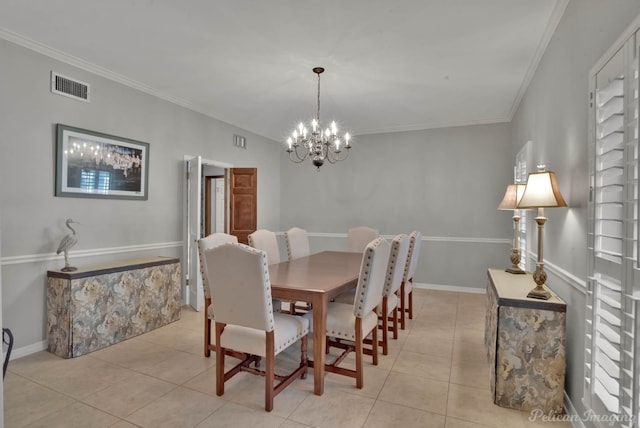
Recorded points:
(240,289)
(211,241)
(266,240)
(397,263)
(359,237)
(297,243)
(414,255)
(373,271)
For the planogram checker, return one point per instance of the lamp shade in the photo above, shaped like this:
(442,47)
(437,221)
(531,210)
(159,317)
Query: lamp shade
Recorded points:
(512,196)
(542,191)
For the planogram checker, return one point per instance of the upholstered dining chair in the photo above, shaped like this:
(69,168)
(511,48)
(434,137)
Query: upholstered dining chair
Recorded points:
(266,240)
(297,243)
(297,246)
(406,289)
(349,324)
(245,320)
(359,237)
(388,310)
(210,241)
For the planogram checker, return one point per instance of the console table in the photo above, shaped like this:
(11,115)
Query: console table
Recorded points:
(525,341)
(98,306)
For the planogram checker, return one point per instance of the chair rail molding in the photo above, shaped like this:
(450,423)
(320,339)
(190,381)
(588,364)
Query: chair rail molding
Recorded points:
(45,257)
(563,275)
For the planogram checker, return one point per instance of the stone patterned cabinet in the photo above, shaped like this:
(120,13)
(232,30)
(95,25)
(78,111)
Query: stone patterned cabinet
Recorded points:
(98,306)
(525,341)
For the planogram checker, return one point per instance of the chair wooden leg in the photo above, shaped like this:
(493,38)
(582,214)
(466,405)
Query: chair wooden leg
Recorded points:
(402,306)
(394,321)
(385,326)
(207,328)
(304,356)
(410,299)
(269,372)
(358,346)
(219,361)
(374,346)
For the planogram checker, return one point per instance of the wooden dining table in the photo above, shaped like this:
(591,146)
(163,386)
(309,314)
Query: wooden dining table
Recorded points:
(316,279)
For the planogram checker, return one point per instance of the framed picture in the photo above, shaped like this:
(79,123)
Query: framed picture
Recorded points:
(94,165)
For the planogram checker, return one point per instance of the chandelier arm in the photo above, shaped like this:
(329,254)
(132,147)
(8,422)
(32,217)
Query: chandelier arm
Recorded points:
(292,159)
(334,157)
(300,159)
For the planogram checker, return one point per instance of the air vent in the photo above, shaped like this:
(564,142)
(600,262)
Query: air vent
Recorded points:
(239,141)
(69,87)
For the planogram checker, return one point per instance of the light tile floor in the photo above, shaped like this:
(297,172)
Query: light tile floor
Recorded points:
(435,376)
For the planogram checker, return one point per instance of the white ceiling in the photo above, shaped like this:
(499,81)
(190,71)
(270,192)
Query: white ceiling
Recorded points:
(390,65)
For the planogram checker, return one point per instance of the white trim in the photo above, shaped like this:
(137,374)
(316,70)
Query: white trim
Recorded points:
(571,413)
(470,240)
(92,68)
(45,257)
(465,239)
(563,275)
(615,47)
(35,258)
(556,16)
(28,350)
(454,288)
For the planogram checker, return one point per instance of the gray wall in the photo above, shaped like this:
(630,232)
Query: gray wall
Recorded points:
(33,218)
(554,115)
(446,182)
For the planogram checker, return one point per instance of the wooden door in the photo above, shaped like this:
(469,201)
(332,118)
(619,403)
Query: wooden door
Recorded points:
(243,202)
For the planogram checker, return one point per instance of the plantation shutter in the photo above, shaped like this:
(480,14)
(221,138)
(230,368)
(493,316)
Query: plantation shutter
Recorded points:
(610,359)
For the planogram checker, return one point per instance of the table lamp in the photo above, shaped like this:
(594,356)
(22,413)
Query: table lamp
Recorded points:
(512,196)
(541,192)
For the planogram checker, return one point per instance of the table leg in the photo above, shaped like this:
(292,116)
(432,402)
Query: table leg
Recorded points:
(319,344)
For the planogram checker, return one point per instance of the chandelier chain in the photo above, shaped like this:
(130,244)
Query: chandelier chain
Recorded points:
(318,112)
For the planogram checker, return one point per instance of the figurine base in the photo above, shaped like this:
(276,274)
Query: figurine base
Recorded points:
(539,293)
(515,271)
(69,269)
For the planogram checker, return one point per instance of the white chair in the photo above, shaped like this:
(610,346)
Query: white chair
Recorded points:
(297,246)
(210,241)
(390,299)
(406,289)
(297,243)
(354,322)
(245,320)
(359,237)
(266,240)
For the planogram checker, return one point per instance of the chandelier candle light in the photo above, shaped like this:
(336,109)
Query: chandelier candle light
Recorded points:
(318,145)
(512,196)
(541,192)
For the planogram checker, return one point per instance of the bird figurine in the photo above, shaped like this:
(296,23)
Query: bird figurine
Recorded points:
(65,245)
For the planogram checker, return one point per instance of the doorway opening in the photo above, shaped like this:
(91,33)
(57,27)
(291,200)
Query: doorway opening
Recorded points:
(203,213)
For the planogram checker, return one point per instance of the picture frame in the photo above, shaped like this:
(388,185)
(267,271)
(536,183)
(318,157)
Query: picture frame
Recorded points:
(91,164)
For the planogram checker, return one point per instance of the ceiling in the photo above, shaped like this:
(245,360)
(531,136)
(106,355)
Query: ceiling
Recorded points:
(390,65)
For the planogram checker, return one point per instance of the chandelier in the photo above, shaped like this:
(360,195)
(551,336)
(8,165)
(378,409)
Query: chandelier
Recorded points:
(318,145)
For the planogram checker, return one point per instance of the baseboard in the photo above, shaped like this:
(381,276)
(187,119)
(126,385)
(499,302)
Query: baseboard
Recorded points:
(28,350)
(572,414)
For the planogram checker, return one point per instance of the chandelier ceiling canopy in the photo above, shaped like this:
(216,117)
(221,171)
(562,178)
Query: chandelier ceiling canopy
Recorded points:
(318,144)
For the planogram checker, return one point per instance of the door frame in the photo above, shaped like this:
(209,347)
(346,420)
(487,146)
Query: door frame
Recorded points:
(192,292)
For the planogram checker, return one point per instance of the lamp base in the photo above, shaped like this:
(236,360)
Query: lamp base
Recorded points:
(539,293)
(515,270)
